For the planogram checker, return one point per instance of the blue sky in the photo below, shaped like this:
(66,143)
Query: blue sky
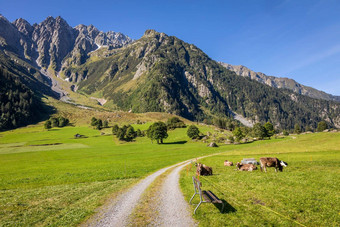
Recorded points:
(293,38)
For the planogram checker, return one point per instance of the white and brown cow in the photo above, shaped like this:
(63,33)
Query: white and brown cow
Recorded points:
(228,163)
(245,167)
(272,162)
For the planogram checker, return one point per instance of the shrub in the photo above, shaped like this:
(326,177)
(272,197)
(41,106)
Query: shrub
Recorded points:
(175,122)
(48,124)
(322,125)
(238,134)
(105,124)
(115,129)
(193,132)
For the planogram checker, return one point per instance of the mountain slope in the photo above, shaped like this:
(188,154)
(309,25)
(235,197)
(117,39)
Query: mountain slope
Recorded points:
(162,73)
(155,73)
(279,82)
(19,105)
(53,43)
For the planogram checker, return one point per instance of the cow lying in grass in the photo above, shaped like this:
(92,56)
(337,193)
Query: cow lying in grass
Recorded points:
(228,163)
(245,167)
(272,162)
(203,170)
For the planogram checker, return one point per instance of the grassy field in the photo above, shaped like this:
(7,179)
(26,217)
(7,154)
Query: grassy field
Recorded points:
(305,193)
(50,178)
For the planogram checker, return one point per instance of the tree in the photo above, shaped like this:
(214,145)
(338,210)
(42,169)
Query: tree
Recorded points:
(231,139)
(93,121)
(297,129)
(157,131)
(106,124)
(99,124)
(62,121)
(48,124)
(54,122)
(130,133)
(121,133)
(115,129)
(259,131)
(269,129)
(322,125)
(175,122)
(139,133)
(193,132)
(238,134)
(285,133)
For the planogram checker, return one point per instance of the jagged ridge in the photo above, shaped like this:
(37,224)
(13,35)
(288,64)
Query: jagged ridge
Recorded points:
(279,82)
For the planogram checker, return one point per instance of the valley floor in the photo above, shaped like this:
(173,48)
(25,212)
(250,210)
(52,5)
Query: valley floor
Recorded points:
(51,178)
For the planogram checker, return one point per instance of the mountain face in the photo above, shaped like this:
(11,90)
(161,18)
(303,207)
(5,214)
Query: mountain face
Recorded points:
(155,73)
(162,73)
(53,44)
(278,82)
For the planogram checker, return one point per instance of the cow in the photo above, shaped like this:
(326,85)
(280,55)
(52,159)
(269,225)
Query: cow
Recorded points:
(203,170)
(246,167)
(228,163)
(272,162)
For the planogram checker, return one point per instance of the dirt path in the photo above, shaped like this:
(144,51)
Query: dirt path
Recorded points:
(118,212)
(172,208)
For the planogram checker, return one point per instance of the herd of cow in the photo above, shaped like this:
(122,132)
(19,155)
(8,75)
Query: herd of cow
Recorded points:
(203,170)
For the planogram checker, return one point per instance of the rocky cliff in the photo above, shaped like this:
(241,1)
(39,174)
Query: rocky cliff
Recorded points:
(279,82)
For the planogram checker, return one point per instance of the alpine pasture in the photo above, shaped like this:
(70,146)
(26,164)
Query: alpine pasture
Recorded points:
(49,177)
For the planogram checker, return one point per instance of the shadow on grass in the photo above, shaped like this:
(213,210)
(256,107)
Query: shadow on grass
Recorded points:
(227,207)
(177,142)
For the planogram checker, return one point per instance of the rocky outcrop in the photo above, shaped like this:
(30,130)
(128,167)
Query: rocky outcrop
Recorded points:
(279,82)
(53,43)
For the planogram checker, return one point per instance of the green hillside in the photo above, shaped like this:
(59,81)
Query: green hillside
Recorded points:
(163,73)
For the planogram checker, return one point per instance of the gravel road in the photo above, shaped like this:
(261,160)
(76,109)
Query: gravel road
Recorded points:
(118,212)
(173,210)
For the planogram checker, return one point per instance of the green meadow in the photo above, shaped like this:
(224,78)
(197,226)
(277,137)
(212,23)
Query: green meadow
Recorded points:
(306,193)
(47,177)
(51,178)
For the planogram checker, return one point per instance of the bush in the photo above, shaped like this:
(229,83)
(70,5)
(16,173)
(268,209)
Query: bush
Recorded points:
(97,123)
(297,129)
(285,133)
(322,125)
(175,122)
(48,124)
(259,131)
(115,129)
(105,124)
(140,133)
(193,132)
(238,134)
(231,139)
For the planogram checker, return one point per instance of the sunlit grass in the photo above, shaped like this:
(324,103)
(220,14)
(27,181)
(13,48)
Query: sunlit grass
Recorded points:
(305,192)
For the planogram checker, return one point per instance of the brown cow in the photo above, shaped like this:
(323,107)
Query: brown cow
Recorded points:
(272,162)
(246,167)
(228,163)
(203,170)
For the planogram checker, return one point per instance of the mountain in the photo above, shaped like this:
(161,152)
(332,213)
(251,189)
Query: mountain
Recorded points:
(157,73)
(279,82)
(54,44)
(163,73)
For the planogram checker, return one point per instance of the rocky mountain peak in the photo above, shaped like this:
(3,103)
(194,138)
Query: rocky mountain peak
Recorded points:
(23,26)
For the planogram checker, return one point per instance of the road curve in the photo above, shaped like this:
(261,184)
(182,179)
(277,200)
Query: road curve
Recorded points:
(117,213)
